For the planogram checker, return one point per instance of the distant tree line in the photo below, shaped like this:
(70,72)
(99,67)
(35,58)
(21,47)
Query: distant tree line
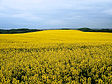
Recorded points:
(13,31)
(95,30)
(89,29)
(24,30)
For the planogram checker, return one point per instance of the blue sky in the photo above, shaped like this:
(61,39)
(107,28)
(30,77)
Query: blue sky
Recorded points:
(55,13)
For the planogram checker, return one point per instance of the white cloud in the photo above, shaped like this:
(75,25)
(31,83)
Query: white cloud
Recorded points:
(27,16)
(51,12)
(109,11)
(50,4)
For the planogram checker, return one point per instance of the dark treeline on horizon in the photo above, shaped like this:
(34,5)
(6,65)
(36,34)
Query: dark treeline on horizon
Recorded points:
(13,31)
(95,30)
(25,30)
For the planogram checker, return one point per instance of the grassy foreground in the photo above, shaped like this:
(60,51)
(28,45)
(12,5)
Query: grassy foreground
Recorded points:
(56,56)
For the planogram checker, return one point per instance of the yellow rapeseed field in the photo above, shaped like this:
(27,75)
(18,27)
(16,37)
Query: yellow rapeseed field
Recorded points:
(56,57)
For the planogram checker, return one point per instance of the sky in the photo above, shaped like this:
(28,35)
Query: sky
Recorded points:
(55,14)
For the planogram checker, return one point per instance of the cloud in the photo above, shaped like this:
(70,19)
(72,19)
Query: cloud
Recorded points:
(109,11)
(27,16)
(56,13)
(51,4)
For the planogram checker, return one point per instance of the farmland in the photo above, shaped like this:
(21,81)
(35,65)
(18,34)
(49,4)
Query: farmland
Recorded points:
(56,56)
